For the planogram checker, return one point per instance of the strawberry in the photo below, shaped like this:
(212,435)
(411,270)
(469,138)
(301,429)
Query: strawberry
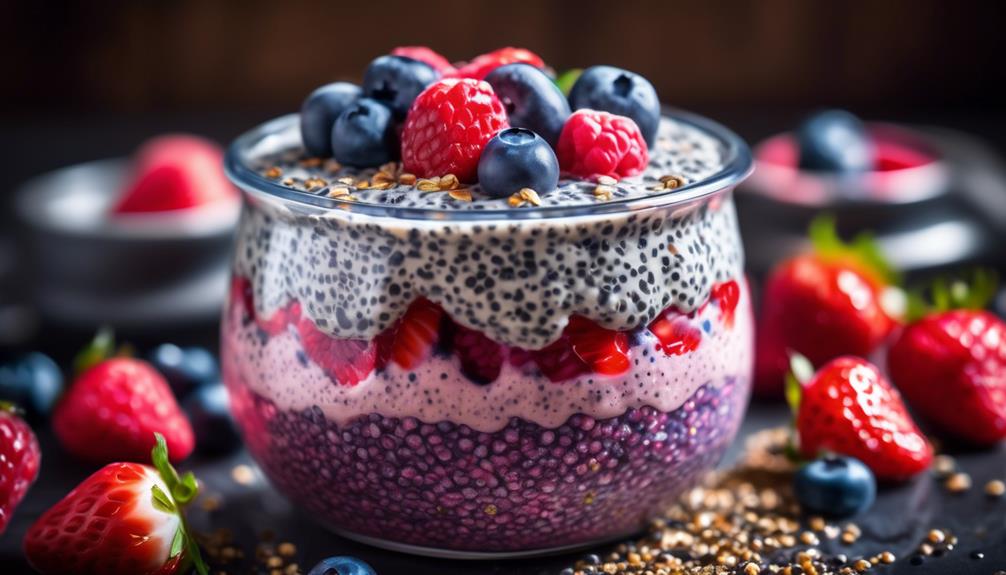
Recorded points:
(676,334)
(481,358)
(584,347)
(427,55)
(950,362)
(726,295)
(480,66)
(176,172)
(823,304)
(115,406)
(605,351)
(19,460)
(125,519)
(347,361)
(848,407)
(242,297)
(416,333)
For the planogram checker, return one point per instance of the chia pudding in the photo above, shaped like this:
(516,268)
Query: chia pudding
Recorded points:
(416,363)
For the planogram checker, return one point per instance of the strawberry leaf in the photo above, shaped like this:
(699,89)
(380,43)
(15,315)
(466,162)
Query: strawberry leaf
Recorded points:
(949,293)
(162,501)
(177,542)
(566,80)
(863,248)
(101,348)
(800,372)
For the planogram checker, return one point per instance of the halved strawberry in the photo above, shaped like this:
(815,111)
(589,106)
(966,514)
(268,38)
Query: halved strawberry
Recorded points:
(242,297)
(726,295)
(481,65)
(675,332)
(347,361)
(605,351)
(417,333)
(427,55)
(583,348)
(125,519)
(481,358)
(848,407)
(176,172)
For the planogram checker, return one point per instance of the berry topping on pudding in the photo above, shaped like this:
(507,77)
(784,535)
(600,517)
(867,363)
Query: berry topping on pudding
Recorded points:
(395,81)
(481,66)
(532,100)
(835,141)
(319,112)
(448,126)
(426,55)
(597,143)
(619,92)
(364,134)
(515,159)
(175,172)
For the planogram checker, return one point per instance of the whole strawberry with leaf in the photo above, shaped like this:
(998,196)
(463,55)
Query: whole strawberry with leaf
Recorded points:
(834,300)
(848,407)
(125,519)
(950,360)
(116,405)
(19,461)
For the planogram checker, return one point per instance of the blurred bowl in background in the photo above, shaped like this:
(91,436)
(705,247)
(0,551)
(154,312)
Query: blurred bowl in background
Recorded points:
(914,202)
(137,271)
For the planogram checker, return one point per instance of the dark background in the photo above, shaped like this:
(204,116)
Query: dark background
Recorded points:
(93,79)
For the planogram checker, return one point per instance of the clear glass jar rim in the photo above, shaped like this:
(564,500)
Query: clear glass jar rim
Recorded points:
(737,165)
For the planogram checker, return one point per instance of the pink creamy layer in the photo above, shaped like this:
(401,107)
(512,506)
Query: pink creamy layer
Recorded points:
(276,368)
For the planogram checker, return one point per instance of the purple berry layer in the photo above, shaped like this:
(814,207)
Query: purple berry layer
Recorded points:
(521,488)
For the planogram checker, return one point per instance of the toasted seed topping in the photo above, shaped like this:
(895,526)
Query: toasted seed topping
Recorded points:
(449,182)
(958,482)
(603,192)
(995,488)
(606,180)
(407,179)
(273,173)
(462,195)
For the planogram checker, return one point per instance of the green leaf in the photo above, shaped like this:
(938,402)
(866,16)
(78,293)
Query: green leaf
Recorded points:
(863,248)
(101,348)
(566,80)
(800,372)
(162,501)
(949,293)
(183,489)
(195,556)
(178,541)
(824,235)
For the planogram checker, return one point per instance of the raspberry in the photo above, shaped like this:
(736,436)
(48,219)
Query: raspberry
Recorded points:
(596,143)
(426,55)
(480,66)
(449,124)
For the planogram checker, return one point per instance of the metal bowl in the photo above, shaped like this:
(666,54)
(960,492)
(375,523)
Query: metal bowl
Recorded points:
(139,272)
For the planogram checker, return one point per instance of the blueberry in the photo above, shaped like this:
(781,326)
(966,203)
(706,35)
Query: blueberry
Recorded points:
(517,158)
(619,92)
(835,485)
(396,81)
(342,566)
(33,382)
(531,99)
(364,135)
(209,411)
(834,141)
(185,369)
(318,114)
